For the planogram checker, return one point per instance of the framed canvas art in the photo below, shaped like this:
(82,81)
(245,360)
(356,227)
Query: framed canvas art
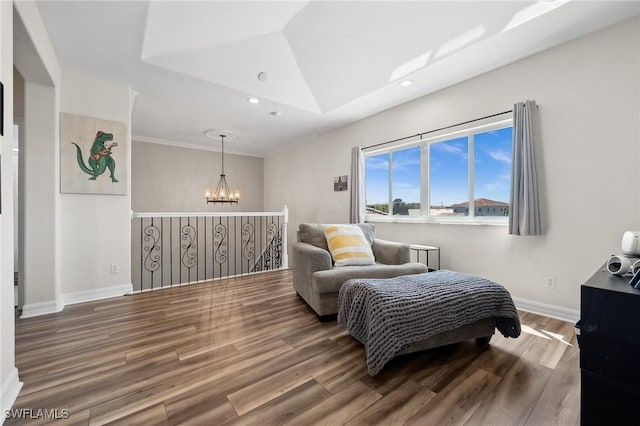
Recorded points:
(93,155)
(340,183)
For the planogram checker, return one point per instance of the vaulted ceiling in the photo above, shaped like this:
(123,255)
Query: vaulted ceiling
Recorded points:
(312,65)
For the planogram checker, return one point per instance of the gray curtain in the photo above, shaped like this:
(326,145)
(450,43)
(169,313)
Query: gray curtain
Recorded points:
(524,215)
(357,185)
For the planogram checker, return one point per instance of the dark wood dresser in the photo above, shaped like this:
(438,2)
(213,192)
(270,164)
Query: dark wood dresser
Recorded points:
(609,339)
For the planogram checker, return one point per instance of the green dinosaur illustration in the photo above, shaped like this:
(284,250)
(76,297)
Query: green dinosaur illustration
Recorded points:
(100,158)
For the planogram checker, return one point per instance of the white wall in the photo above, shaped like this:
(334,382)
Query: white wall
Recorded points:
(589,96)
(95,229)
(173,179)
(35,60)
(9,383)
(41,198)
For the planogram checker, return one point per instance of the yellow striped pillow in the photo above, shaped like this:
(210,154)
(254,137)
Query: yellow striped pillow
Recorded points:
(348,245)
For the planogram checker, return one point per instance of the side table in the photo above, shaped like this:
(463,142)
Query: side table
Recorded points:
(418,248)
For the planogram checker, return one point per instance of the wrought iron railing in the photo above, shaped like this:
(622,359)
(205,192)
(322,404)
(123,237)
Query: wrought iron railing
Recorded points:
(171,249)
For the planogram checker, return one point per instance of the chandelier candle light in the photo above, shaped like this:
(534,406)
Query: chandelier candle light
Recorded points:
(222,193)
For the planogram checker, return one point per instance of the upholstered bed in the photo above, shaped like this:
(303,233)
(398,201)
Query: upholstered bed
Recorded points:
(415,312)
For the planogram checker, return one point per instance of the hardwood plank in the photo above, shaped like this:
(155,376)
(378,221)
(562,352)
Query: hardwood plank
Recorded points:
(237,376)
(173,383)
(513,400)
(397,407)
(258,393)
(190,354)
(69,345)
(234,373)
(344,374)
(213,410)
(155,415)
(94,389)
(502,353)
(72,373)
(561,334)
(559,403)
(447,369)
(456,403)
(289,405)
(339,408)
(405,368)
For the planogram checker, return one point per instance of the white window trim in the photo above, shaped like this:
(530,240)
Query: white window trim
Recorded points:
(425,202)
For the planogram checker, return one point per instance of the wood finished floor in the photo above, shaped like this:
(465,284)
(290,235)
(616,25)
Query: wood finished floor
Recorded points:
(248,351)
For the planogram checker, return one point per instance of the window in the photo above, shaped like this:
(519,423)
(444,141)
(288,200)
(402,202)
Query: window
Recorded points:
(462,175)
(492,171)
(449,176)
(405,188)
(377,184)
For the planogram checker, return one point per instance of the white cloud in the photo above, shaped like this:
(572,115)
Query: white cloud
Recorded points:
(449,148)
(405,163)
(374,163)
(491,187)
(500,156)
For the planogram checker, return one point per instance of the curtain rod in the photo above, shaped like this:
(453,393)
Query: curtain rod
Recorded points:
(437,130)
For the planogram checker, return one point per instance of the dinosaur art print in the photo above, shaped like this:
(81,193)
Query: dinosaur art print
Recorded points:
(90,149)
(100,158)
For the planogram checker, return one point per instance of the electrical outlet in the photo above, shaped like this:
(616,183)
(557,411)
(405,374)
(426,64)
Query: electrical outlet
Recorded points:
(550,283)
(115,268)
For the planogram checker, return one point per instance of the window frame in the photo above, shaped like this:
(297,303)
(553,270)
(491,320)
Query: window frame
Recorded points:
(468,130)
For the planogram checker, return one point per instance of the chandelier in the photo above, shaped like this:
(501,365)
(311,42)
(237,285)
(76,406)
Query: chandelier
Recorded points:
(222,193)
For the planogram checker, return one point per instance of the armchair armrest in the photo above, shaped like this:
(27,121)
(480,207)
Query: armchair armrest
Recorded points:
(390,252)
(308,258)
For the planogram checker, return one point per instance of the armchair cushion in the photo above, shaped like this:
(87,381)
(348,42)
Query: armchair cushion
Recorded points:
(390,252)
(313,233)
(348,246)
(329,281)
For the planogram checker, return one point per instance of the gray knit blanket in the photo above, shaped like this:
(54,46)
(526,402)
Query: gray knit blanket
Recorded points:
(387,315)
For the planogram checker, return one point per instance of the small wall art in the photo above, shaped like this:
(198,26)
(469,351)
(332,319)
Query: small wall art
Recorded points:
(340,183)
(93,155)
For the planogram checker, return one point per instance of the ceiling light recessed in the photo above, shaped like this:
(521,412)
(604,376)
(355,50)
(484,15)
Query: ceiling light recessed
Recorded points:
(253,100)
(406,83)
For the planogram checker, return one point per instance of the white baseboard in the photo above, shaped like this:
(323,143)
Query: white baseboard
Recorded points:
(101,293)
(553,311)
(43,308)
(9,391)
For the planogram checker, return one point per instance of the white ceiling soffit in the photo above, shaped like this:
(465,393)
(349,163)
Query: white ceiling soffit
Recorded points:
(229,44)
(237,64)
(319,55)
(194,63)
(349,49)
(463,56)
(177,26)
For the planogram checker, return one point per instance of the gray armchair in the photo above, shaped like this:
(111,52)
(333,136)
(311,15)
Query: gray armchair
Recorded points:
(318,282)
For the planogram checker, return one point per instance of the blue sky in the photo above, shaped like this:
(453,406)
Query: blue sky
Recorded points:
(492,164)
(448,171)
